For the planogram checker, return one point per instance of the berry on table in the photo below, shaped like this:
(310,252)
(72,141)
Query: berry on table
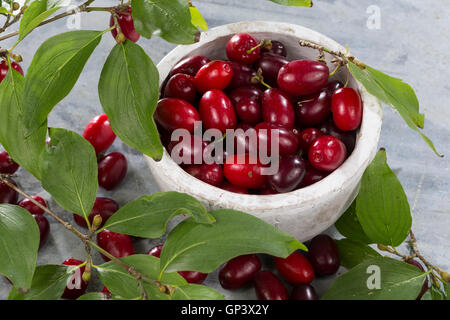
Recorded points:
(239,271)
(324,255)
(304,292)
(44,228)
(111,170)
(295,269)
(31,207)
(7,165)
(269,287)
(8,195)
(105,207)
(117,244)
(99,133)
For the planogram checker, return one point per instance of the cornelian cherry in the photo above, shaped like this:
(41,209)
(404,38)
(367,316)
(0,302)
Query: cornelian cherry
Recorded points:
(270,64)
(248,92)
(269,287)
(76,287)
(312,176)
(232,188)
(290,173)
(105,207)
(31,207)
(275,47)
(239,271)
(8,195)
(287,141)
(117,244)
(44,228)
(242,75)
(313,109)
(7,165)
(244,171)
(172,114)
(188,150)
(249,111)
(126,25)
(242,48)
(111,170)
(324,255)
(4,69)
(99,133)
(327,153)
(211,174)
(181,86)
(302,77)
(214,75)
(217,111)
(190,65)
(277,108)
(347,109)
(304,292)
(295,269)
(307,137)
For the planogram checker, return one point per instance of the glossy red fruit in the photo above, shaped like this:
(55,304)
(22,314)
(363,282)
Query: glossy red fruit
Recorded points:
(244,171)
(105,290)
(269,287)
(249,111)
(239,48)
(105,207)
(277,108)
(211,174)
(347,109)
(287,141)
(245,139)
(188,151)
(232,188)
(249,92)
(313,109)
(76,287)
(332,86)
(347,137)
(31,207)
(270,65)
(425,284)
(111,170)
(324,255)
(304,292)
(181,86)
(217,111)
(295,269)
(327,153)
(8,195)
(193,170)
(302,77)
(126,25)
(7,165)
(190,65)
(117,244)
(275,47)
(99,133)
(266,190)
(307,137)
(44,228)
(291,172)
(214,75)
(172,114)
(4,69)
(242,75)
(312,176)
(239,271)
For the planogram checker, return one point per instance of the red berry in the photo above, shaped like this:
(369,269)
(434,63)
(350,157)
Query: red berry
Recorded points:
(31,207)
(270,64)
(7,165)
(302,77)
(425,283)
(181,86)
(277,108)
(324,255)
(188,151)
(8,195)
(190,65)
(117,244)
(245,139)
(104,207)
(239,271)
(327,153)
(304,292)
(99,133)
(232,188)
(275,47)
(248,92)
(239,48)
(347,137)
(242,75)
(313,109)
(287,141)
(217,111)
(307,137)
(4,68)
(295,268)
(244,171)
(174,114)
(347,109)
(76,287)
(333,86)
(155,251)
(312,176)
(214,75)
(44,228)
(290,173)
(269,287)
(249,111)
(193,170)
(126,25)
(111,170)
(211,174)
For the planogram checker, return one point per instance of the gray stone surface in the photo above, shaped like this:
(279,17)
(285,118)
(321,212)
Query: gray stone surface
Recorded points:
(412,43)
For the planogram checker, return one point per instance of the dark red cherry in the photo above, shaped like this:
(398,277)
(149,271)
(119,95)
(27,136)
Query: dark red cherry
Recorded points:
(302,77)
(4,68)
(324,255)
(277,108)
(188,151)
(244,171)
(249,111)
(76,287)
(8,195)
(313,109)
(290,173)
(214,75)
(327,153)
(44,228)
(425,283)
(245,138)
(304,291)
(190,65)
(269,287)
(266,190)
(347,109)
(173,114)
(332,86)
(239,271)
(347,137)
(111,170)
(249,92)
(193,170)
(241,48)
(287,141)
(270,64)
(211,174)
(7,165)
(275,47)
(307,137)
(105,207)
(99,133)
(126,25)
(242,75)
(312,176)
(117,244)
(217,111)
(232,188)
(31,207)
(155,251)
(295,268)
(181,86)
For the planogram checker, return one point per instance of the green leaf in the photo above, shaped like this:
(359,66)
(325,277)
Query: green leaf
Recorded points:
(296,3)
(447,290)
(69,171)
(196,292)
(348,225)
(128,91)
(99,296)
(4,11)
(202,247)
(148,216)
(398,281)
(23,148)
(53,72)
(436,293)
(49,282)
(381,205)
(197,19)
(36,12)
(395,93)
(19,243)
(168,19)
(353,253)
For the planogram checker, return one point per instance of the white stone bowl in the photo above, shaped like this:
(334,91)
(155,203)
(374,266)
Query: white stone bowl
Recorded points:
(303,213)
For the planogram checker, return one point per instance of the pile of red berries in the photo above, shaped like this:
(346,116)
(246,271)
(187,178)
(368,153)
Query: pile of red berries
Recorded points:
(259,90)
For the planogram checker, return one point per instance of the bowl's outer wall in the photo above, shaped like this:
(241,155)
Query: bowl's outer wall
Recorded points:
(303,213)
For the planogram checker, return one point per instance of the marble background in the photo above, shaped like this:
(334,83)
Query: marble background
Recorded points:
(411,43)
